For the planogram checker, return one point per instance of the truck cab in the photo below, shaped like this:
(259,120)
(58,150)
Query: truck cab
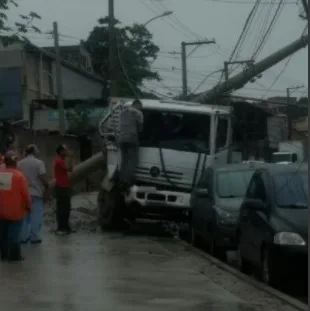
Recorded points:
(179,139)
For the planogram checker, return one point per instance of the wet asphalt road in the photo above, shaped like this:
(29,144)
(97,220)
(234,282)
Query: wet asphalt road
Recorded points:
(142,269)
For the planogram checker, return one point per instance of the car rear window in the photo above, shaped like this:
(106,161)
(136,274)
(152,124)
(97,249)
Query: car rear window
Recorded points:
(291,190)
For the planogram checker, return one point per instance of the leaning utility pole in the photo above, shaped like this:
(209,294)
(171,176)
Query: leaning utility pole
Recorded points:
(112,50)
(61,110)
(184,62)
(226,64)
(239,80)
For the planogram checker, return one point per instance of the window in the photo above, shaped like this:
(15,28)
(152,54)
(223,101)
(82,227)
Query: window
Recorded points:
(291,190)
(257,189)
(233,184)
(178,131)
(222,129)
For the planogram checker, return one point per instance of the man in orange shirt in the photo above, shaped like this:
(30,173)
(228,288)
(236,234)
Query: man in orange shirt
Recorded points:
(14,205)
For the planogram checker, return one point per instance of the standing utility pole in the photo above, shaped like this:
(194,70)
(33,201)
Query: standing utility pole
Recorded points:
(112,50)
(289,109)
(184,62)
(61,110)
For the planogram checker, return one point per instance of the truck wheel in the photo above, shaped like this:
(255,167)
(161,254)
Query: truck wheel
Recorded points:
(194,237)
(110,209)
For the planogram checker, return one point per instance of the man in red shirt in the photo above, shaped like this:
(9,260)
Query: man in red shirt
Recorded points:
(61,172)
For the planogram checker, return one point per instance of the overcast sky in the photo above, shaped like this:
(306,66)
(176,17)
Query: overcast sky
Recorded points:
(192,19)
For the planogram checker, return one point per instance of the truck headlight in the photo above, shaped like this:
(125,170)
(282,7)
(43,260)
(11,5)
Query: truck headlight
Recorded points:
(288,238)
(225,217)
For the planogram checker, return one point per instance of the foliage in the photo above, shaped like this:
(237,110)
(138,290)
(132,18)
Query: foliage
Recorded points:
(11,33)
(134,54)
(79,119)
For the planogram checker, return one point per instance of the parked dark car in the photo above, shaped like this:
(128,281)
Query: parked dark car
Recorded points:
(215,204)
(273,224)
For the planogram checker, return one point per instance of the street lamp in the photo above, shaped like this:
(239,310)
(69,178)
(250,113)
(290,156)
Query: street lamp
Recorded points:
(166,13)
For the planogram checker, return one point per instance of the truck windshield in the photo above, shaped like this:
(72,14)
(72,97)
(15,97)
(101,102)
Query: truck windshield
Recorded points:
(233,184)
(291,190)
(178,131)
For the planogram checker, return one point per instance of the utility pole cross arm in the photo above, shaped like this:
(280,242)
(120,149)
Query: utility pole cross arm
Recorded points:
(202,42)
(184,61)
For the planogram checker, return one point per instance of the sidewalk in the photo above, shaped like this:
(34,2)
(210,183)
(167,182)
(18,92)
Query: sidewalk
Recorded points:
(113,272)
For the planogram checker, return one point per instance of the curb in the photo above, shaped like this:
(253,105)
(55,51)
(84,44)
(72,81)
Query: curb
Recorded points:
(265,288)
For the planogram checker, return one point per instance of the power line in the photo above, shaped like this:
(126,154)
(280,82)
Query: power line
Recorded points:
(165,21)
(269,29)
(177,20)
(278,76)
(248,2)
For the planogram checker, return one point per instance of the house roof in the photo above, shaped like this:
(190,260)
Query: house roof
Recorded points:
(33,48)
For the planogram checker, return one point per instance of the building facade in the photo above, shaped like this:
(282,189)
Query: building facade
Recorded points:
(28,72)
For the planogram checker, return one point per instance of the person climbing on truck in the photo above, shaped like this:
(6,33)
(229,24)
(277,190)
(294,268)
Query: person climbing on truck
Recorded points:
(131,124)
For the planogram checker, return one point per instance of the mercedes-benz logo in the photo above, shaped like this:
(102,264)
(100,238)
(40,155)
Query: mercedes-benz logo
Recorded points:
(154,171)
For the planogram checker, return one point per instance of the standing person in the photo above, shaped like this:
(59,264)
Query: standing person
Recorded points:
(62,188)
(35,172)
(15,202)
(131,123)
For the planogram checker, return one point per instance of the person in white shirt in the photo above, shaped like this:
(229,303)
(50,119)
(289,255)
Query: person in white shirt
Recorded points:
(35,172)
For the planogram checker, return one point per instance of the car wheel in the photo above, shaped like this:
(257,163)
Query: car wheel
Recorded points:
(216,251)
(244,266)
(267,271)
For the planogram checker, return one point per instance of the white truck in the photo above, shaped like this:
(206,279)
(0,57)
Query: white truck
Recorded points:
(178,140)
(289,152)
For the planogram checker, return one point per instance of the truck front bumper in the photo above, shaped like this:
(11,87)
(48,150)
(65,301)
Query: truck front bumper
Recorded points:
(151,203)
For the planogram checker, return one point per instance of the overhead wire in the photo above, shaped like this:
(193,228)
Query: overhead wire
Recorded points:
(269,29)
(283,69)
(175,19)
(165,20)
(248,2)
(260,24)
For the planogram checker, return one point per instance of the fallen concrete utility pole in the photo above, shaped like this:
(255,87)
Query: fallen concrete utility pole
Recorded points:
(239,80)
(82,170)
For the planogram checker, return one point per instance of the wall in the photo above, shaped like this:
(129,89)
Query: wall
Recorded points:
(11,93)
(47,144)
(47,119)
(78,86)
(11,62)
(11,55)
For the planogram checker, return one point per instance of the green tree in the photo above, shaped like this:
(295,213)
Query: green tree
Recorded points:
(79,119)
(19,29)
(135,53)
